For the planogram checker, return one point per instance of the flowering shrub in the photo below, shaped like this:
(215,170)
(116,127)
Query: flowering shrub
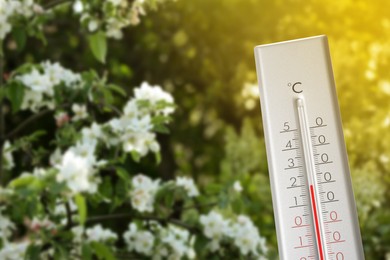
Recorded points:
(52,199)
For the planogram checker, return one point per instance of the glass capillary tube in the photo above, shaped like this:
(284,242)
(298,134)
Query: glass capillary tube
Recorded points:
(311,178)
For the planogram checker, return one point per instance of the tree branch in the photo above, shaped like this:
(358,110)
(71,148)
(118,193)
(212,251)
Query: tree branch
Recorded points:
(55,3)
(28,121)
(68,215)
(147,218)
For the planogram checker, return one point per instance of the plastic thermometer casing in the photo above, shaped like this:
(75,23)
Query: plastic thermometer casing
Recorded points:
(314,206)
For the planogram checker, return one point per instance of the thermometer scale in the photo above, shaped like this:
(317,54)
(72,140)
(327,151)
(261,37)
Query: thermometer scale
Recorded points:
(312,194)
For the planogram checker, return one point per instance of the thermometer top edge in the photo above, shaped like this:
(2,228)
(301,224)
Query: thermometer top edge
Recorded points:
(291,41)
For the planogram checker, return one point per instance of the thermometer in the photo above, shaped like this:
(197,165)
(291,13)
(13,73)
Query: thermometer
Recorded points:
(312,194)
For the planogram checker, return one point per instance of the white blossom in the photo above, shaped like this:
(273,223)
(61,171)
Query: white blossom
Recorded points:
(61,118)
(93,25)
(7,155)
(246,236)
(188,185)
(178,240)
(100,234)
(237,186)
(143,193)
(14,251)
(76,172)
(78,232)
(134,130)
(10,9)
(32,100)
(6,226)
(115,2)
(5,26)
(55,157)
(214,225)
(37,82)
(92,134)
(140,241)
(37,224)
(86,150)
(40,173)
(58,74)
(140,143)
(241,231)
(40,83)
(80,112)
(78,6)
(61,211)
(154,94)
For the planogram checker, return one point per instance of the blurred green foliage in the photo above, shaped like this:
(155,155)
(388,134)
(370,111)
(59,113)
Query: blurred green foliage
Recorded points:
(202,51)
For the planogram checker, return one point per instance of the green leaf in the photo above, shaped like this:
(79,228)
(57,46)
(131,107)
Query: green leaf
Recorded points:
(121,194)
(98,45)
(86,253)
(82,207)
(102,251)
(200,244)
(20,36)
(26,181)
(33,252)
(60,252)
(105,188)
(123,174)
(161,129)
(15,93)
(158,157)
(223,200)
(117,89)
(136,156)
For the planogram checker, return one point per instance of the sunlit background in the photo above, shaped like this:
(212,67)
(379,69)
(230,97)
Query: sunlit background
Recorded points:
(202,52)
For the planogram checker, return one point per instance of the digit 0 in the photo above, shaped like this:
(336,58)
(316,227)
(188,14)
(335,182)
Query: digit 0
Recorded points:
(319,121)
(333,215)
(298,221)
(327,176)
(339,256)
(336,236)
(324,157)
(330,195)
(321,139)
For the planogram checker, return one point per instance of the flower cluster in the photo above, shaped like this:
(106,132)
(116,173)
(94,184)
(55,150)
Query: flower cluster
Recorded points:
(112,16)
(169,242)
(143,193)
(14,251)
(40,224)
(144,190)
(241,232)
(77,171)
(188,185)
(40,83)
(11,10)
(7,156)
(134,129)
(6,227)
(78,166)
(100,234)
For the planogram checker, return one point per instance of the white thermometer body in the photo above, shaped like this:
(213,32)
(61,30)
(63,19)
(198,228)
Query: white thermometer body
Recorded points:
(312,195)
